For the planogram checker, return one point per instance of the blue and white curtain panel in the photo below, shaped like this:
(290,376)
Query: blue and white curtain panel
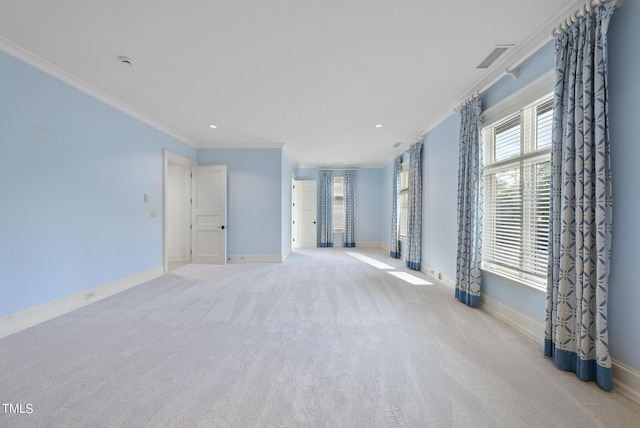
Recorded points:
(576,332)
(394,244)
(350,181)
(326,208)
(414,224)
(470,214)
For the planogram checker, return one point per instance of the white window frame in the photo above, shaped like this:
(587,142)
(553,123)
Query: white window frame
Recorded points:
(523,105)
(403,202)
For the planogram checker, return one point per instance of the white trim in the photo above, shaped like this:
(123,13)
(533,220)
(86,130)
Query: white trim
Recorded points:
(177,158)
(626,380)
(533,91)
(438,276)
(169,156)
(525,325)
(516,282)
(46,67)
(372,245)
(509,61)
(28,318)
(266,258)
(286,254)
(241,146)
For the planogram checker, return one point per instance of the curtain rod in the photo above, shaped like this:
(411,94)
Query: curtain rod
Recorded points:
(473,96)
(586,8)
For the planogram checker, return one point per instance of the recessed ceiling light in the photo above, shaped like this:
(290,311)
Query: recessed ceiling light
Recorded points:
(378,125)
(213,126)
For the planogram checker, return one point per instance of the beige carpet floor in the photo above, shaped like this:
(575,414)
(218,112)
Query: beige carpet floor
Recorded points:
(322,340)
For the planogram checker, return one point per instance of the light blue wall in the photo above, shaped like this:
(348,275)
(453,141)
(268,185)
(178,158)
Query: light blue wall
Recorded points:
(369,203)
(440,175)
(254,209)
(624,98)
(369,200)
(440,191)
(73,174)
(526,302)
(533,67)
(386,197)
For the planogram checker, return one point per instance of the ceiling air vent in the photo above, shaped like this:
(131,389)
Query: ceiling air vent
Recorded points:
(491,57)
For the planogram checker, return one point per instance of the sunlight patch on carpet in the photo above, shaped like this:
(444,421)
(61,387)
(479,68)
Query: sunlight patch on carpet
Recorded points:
(411,279)
(369,260)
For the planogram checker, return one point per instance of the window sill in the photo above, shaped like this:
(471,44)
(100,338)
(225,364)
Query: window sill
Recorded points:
(523,284)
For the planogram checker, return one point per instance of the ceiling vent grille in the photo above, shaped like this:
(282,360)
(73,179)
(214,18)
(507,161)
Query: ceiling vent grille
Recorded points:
(492,56)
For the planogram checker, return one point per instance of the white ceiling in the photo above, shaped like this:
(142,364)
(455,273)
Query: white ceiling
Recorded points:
(314,75)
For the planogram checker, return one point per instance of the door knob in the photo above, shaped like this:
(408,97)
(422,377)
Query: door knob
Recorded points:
(222,227)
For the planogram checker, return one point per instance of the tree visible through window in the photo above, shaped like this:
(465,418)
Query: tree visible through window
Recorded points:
(516,201)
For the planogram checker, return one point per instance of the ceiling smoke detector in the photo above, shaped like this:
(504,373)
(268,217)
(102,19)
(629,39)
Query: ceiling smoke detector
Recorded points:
(125,60)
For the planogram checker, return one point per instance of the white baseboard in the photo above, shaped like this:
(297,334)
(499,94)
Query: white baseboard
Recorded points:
(438,276)
(28,318)
(525,325)
(268,258)
(371,245)
(626,380)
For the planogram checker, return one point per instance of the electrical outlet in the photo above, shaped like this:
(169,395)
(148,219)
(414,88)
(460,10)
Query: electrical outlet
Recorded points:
(89,295)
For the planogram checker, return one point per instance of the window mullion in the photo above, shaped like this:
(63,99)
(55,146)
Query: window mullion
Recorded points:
(516,182)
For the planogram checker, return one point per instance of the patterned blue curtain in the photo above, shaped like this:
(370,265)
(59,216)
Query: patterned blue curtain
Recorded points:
(394,245)
(470,188)
(326,208)
(576,336)
(414,226)
(350,181)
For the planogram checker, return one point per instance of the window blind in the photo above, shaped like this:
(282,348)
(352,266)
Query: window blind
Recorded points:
(516,174)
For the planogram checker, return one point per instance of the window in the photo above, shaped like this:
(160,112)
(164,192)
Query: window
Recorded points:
(338,205)
(516,200)
(403,202)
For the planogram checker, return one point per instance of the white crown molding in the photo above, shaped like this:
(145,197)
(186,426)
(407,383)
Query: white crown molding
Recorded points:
(241,146)
(511,60)
(52,70)
(345,166)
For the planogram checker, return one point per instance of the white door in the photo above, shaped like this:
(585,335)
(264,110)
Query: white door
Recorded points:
(209,214)
(306,208)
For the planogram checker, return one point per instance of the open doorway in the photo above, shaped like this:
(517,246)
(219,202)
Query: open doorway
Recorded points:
(195,212)
(177,210)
